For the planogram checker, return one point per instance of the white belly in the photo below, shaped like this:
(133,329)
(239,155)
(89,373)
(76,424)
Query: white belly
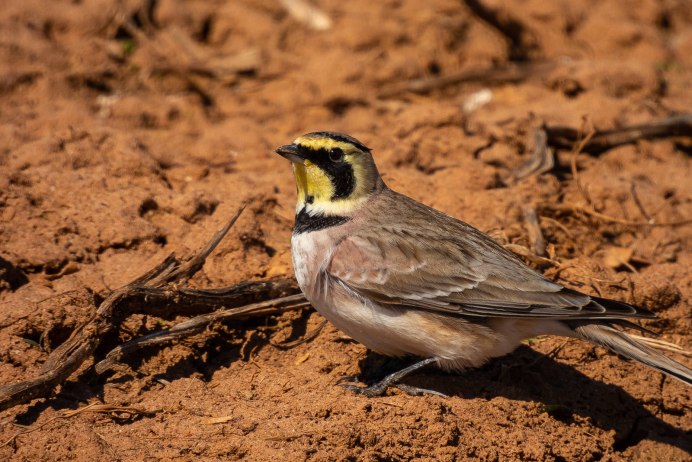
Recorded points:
(370,325)
(456,342)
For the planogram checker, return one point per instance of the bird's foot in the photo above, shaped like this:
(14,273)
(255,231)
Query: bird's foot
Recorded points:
(380,388)
(372,391)
(392,380)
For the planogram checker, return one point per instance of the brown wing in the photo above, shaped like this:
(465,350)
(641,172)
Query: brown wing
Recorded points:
(430,261)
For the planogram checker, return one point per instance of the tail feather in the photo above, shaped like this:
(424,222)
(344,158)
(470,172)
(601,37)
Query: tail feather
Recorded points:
(621,343)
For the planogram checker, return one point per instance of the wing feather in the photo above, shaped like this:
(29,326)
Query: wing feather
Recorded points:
(430,261)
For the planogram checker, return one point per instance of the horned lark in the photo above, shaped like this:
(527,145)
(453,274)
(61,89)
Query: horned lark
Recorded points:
(405,279)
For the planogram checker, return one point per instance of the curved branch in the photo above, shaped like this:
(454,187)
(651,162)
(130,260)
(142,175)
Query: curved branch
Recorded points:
(69,356)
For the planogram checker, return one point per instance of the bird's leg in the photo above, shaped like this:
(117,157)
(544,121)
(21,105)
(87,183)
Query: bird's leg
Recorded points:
(379,388)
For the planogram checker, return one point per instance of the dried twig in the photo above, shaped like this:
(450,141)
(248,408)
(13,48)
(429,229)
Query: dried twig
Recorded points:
(506,74)
(532,257)
(67,358)
(542,159)
(198,324)
(601,141)
(667,127)
(576,150)
(150,292)
(607,218)
(638,202)
(594,143)
(620,221)
(533,228)
(562,227)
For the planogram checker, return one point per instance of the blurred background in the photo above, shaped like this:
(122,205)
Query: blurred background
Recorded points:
(133,128)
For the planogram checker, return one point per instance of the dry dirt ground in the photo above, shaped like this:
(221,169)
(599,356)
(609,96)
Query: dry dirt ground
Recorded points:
(131,129)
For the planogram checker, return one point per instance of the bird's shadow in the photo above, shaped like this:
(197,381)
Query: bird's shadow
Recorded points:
(526,375)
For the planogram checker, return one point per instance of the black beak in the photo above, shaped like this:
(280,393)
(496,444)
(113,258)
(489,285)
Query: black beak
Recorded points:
(291,152)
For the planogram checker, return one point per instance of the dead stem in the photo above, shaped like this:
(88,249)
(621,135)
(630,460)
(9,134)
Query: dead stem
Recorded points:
(638,202)
(500,75)
(541,160)
(601,141)
(156,291)
(576,150)
(198,324)
(536,239)
(620,221)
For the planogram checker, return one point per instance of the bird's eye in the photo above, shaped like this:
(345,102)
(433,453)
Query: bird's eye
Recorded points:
(336,154)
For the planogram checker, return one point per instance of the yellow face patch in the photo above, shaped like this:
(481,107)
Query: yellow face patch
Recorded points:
(313,184)
(318,191)
(315,191)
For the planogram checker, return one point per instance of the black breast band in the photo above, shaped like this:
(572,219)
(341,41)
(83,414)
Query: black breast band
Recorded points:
(306,223)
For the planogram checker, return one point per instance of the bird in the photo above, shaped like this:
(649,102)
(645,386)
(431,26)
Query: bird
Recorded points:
(407,280)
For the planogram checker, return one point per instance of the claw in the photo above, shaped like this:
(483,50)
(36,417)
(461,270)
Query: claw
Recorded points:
(417,391)
(371,392)
(347,378)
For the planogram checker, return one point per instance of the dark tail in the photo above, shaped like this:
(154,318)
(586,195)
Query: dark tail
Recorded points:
(621,343)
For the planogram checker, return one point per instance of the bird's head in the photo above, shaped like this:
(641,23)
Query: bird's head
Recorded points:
(335,173)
